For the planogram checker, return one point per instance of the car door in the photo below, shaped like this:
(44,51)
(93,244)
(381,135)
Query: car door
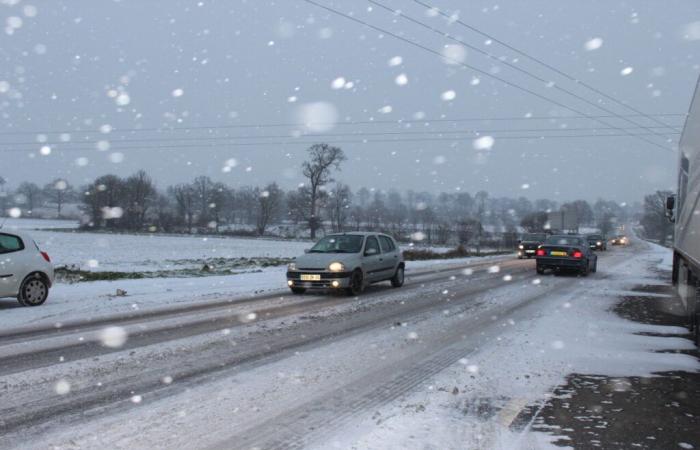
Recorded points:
(372,259)
(390,256)
(11,269)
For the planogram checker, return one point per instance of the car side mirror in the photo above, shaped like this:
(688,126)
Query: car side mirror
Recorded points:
(371,251)
(670,205)
(307,250)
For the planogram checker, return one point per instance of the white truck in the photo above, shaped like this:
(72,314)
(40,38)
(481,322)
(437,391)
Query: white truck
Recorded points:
(684,210)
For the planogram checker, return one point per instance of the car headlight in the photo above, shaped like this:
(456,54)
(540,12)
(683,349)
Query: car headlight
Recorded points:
(599,243)
(336,267)
(292,266)
(521,247)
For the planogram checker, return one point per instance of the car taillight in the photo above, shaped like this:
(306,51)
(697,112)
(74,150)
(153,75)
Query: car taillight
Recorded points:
(577,254)
(541,252)
(45,256)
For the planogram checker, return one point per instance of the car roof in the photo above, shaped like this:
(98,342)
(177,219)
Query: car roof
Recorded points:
(359,233)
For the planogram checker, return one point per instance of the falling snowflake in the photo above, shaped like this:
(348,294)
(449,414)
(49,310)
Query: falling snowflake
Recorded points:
(338,83)
(454,54)
(483,143)
(113,336)
(626,71)
(593,44)
(62,387)
(448,95)
(395,61)
(401,79)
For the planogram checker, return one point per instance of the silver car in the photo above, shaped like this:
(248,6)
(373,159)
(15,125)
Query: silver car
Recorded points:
(348,261)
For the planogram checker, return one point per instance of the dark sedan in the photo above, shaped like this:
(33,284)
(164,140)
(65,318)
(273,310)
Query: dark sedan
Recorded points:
(566,253)
(528,245)
(597,242)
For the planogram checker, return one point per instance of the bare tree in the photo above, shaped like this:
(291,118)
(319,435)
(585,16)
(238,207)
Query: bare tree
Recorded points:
(140,194)
(59,192)
(185,200)
(269,203)
(323,158)
(340,198)
(31,194)
(221,201)
(203,189)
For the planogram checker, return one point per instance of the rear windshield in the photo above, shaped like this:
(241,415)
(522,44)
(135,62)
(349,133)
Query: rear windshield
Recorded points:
(339,243)
(534,237)
(564,240)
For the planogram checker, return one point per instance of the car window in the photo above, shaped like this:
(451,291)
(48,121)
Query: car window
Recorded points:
(338,243)
(563,240)
(372,243)
(10,243)
(387,244)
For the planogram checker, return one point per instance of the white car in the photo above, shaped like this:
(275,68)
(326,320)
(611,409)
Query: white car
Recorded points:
(348,261)
(25,271)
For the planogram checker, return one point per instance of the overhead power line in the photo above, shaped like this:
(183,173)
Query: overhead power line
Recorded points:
(345,123)
(69,147)
(543,63)
(528,73)
(473,132)
(502,80)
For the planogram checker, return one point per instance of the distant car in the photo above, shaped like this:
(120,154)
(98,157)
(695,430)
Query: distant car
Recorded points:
(347,261)
(566,252)
(528,244)
(25,271)
(619,240)
(597,242)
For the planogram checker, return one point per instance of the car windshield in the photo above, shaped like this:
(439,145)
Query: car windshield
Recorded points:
(595,237)
(534,237)
(342,243)
(563,240)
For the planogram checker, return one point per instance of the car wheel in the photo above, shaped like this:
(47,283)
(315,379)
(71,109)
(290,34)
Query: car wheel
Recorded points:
(398,278)
(584,270)
(34,291)
(356,283)
(540,270)
(298,291)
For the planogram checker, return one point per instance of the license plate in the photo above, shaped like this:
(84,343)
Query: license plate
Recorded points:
(559,253)
(310,277)
(529,251)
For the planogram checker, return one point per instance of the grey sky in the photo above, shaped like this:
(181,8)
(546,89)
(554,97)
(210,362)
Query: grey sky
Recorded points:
(243,62)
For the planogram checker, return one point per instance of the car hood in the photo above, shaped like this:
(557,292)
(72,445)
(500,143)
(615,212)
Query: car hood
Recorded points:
(320,261)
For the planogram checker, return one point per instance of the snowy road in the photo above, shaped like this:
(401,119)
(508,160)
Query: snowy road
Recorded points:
(271,371)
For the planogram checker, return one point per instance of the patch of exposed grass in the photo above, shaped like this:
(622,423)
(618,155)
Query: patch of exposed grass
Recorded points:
(458,252)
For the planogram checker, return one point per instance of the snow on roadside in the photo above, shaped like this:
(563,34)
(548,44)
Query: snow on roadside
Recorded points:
(471,404)
(70,302)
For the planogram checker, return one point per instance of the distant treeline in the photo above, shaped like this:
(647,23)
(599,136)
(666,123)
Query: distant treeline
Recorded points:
(135,203)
